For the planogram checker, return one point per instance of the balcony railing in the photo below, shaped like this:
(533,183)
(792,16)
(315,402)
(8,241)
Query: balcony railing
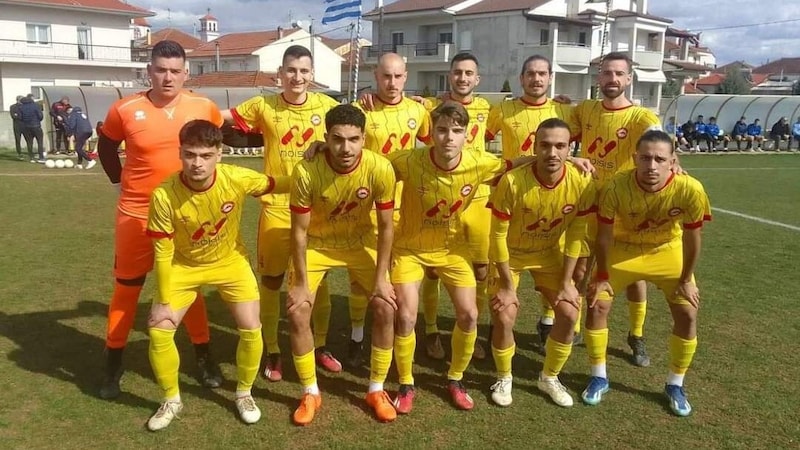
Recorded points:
(648,59)
(65,51)
(421,52)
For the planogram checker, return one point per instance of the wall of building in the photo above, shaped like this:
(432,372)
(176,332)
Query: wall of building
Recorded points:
(327,64)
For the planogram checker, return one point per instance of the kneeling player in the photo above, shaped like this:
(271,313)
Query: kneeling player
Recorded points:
(332,196)
(532,209)
(639,237)
(194,221)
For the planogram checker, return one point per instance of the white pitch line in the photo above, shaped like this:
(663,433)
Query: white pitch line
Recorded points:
(756,219)
(49,174)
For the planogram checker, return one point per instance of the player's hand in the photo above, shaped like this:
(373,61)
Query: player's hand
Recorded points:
(296,297)
(561,98)
(367,101)
(569,293)
(384,291)
(690,292)
(313,149)
(418,98)
(584,165)
(503,299)
(117,187)
(160,312)
(595,289)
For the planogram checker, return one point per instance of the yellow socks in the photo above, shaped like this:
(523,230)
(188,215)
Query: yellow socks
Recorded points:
(404,357)
(636,314)
(321,315)
(270,316)
(463,344)
(596,345)
(248,358)
(681,352)
(556,356)
(430,304)
(165,360)
(502,360)
(306,368)
(379,362)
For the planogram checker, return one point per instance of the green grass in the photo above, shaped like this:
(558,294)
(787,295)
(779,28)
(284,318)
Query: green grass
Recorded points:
(56,236)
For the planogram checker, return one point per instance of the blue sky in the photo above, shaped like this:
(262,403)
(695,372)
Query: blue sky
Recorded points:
(756,44)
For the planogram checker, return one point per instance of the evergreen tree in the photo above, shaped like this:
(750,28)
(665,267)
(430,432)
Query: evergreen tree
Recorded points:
(734,83)
(506,86)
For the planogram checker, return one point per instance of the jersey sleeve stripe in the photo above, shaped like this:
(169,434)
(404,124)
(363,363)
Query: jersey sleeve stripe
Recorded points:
(385,205)
(605,220)
(500,214)
(693,226)
(586,212)
(299,209)
(158,234)
(240,122)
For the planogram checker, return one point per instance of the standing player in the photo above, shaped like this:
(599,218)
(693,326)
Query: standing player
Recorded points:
(332,196)
(639,237)
(517,121)
(194,221)
(609,129)
(149,123)
(438,184)
(463,79)
(289,122)
(533,208)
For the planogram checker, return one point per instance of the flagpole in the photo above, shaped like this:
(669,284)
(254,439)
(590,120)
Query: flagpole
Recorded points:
(358,55)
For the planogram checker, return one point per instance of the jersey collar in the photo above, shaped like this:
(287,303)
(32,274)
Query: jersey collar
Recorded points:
(669,181)
(355,166)
(213,182)
(544,183)
(460,157)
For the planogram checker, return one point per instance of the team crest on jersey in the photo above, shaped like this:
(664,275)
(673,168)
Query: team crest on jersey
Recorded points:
(412,124)
(227,207)
(481,117)
(466,190)
(675,212)
(362,193)
(316,119)
(622,133)
(567,209)
(139,115)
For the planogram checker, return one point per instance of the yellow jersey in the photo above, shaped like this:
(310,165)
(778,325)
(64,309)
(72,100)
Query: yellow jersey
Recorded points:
(517,120)
(434,198)
(288,130)
(608,136)
(652,218)
(204,225)
(536,214)
(393,127)
(340,203)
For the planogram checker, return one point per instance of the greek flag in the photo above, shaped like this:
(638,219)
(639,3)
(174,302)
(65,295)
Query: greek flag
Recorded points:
(336,10)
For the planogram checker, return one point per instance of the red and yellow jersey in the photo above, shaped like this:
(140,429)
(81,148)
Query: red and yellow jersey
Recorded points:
(152,144)
(538,214)
(288,130)
(609,136)
(478,109)
(652,218)
(393,127)
(517,120)
(340,203)
(204,225)
(433,198)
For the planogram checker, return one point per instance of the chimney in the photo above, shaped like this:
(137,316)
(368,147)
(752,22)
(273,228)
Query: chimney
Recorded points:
(280,32)
(149,38)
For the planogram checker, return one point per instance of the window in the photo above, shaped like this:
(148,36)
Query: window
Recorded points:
(544,37)
(442,83)
(582,38)
(465,42)
(200,69)
(86,83)
(446,38)
(37,85)
(84,43)
(38,34)
(397,39)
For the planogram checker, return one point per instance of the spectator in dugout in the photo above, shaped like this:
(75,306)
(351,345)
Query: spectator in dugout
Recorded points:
(715,135)
(58,113)
(795,134)
(677,135)
(755,136)
(740,132)
(688,133)
(781,131)
(699,133)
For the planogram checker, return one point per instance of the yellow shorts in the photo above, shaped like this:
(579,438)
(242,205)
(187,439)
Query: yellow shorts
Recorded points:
(629,263)
(452,266)
(274,240)
(476,221)
(233,278)
(546,271)
(360,264)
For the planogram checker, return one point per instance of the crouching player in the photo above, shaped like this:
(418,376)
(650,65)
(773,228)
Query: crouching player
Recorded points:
(194,222)
(331,199)
(639,237)
(532,208)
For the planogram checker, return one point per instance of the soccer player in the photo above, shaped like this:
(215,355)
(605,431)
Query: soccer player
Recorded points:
(609,129)
(533,208)
(332,196)
(439,183)
(289,122)
(517,120)
(463,78)
(149,122)
(194,222)
(640,213)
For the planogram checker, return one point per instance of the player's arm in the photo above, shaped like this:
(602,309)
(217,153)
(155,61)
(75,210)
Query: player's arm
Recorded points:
(498,249)
(604,241)
(160,229)
(383,288)
(107,150)
(691,254)
(298,291)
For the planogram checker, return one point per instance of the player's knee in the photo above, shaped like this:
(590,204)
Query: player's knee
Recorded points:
(567,314)
(139,281)
(430,273)
(300,317)
(481,271)
(467,318)
(600,309)
(272,282)
(164,325)
(506,318)
(684,316)
(405,321)
(382,312)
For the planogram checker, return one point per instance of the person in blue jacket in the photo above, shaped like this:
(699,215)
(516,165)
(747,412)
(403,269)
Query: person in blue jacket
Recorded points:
(715,134)
(739,133)
(795,134)
(699,132)
(31,116)
(676,131)
(79,130)
(754,136)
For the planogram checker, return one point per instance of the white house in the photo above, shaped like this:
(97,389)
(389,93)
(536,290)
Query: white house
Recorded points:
(261,51)
(65,43)
(502,33)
